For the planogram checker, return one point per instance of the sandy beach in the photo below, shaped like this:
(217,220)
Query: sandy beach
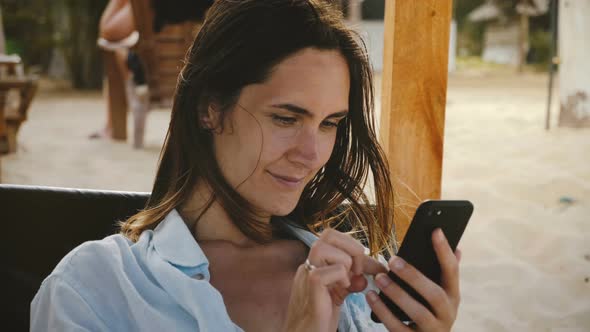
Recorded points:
(526,252)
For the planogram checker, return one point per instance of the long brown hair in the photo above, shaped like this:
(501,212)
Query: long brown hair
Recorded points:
(239,44)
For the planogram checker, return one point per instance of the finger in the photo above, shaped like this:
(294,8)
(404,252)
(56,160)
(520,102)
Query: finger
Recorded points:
(323,253)
(373,266)
(414,309)
(387,318)
(338,295)
(323,277)
(434,294)
(448,264)
(357,283)
(348,244)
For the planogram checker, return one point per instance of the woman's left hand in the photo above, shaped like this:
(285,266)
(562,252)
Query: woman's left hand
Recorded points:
(443,299)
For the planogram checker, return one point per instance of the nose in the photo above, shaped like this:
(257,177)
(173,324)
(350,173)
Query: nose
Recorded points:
(306,150)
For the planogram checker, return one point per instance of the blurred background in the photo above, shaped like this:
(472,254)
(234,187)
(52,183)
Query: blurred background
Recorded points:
(57,38)
(516,140)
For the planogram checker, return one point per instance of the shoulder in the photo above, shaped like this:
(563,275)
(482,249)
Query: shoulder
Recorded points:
(98,268)
(87,286)
(58,306)
(94,267)
(103,254)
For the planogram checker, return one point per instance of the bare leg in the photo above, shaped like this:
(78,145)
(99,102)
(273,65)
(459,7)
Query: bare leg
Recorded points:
(121,61)
(116,23)
(138,98)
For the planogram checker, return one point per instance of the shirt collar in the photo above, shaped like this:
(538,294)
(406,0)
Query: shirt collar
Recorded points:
(299,232)
(175,243)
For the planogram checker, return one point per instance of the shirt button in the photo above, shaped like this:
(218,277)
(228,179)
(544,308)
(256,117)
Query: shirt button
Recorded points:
(200,276)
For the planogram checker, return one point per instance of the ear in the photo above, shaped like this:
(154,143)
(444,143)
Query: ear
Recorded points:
(210,119)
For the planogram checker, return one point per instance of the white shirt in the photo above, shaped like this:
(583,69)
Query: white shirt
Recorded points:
(159,283)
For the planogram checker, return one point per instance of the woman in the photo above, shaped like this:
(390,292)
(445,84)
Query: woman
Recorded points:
(271,131)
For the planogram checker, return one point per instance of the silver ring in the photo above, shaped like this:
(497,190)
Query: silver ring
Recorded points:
(308,266)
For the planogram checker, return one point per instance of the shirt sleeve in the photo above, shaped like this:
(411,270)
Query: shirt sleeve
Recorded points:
(59,307)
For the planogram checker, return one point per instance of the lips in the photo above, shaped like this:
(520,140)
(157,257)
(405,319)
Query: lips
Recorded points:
(289,181)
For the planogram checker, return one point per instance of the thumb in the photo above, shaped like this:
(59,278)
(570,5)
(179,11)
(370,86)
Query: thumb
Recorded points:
(357,284)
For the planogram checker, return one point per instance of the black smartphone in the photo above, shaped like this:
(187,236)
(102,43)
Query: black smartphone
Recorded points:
(417,249)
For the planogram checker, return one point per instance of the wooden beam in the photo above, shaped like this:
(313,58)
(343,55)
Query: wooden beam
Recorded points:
(413,100)
(117,97)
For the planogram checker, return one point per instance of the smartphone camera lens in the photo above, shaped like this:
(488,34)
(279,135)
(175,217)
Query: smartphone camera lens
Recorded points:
(438,212)
(430,213)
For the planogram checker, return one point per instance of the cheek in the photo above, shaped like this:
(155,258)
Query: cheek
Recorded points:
(238,154)
(273,151)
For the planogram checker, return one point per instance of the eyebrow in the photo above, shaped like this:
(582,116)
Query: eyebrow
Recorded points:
(302,111)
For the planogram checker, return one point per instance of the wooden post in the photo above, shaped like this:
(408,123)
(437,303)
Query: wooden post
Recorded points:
(574,68)
(416,50)
(117,98)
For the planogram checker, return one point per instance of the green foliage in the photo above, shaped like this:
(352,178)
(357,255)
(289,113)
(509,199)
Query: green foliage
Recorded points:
(471,38)
(79,42)
(469,34)
(540,48)
(462,8)
(13,47)
(34,28)
(28,29)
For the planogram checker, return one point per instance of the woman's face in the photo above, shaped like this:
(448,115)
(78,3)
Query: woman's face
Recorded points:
(282,132)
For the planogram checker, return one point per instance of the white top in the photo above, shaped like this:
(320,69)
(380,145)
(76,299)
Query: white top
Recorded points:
(159,283)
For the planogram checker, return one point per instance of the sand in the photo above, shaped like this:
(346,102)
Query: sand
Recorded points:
(526,252)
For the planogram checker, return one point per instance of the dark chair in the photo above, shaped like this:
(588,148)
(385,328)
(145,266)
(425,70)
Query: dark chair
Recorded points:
(40,225)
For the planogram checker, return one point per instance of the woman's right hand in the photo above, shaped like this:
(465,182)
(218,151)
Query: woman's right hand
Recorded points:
(317,294)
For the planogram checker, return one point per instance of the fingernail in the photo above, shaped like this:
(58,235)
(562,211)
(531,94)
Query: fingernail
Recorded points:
(398,263)
(372,297)
(383,280)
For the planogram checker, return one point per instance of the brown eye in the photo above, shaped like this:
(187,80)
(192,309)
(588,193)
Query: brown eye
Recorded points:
(283,120)
(329,124)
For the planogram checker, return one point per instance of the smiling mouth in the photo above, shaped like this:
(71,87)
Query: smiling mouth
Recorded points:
(287,180)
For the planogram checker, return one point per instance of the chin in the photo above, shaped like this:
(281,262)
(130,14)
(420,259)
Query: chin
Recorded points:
(280,206)
(281,211)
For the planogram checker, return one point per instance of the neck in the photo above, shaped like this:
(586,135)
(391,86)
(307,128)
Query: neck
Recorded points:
(214,224)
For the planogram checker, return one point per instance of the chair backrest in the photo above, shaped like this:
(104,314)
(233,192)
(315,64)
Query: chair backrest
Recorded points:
(161,53)
(16,94)
(13,111)
(40,226)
